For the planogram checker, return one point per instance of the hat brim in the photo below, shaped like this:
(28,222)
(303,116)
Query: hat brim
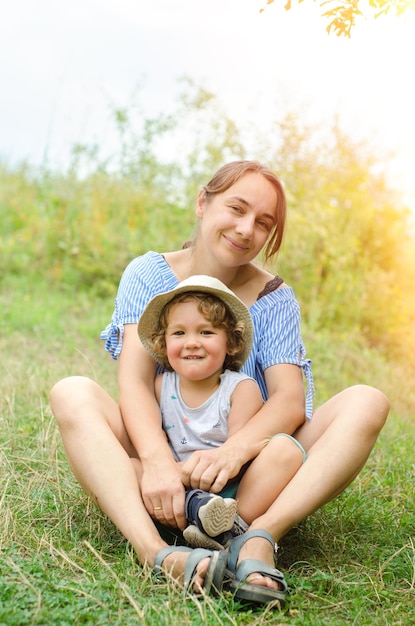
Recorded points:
(149,321)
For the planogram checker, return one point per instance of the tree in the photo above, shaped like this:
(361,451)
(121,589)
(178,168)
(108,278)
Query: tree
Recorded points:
(343,13)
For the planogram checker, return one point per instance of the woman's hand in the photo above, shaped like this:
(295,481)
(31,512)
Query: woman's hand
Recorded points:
(210,470)
(163,493)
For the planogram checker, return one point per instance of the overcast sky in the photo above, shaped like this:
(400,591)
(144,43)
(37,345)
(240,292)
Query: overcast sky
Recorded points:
(62,62)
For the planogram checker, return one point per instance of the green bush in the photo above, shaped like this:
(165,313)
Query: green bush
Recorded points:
(349,249)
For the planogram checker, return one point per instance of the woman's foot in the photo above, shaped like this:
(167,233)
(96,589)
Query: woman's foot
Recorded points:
(174,565)
(198,570)
(252,575)
(260,549)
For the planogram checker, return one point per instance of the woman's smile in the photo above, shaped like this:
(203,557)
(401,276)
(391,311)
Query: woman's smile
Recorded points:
(235,245)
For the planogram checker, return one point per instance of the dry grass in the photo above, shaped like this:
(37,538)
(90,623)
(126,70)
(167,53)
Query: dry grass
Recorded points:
(63,562)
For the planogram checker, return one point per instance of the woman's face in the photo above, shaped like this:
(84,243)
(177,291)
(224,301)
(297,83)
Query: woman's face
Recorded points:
(235,225)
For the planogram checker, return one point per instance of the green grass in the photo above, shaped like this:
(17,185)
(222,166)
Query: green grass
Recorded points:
(62,562)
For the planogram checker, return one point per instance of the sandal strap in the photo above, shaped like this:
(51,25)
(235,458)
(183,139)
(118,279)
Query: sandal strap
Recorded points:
(254,566)
(164,552)
(214,574)
(238,542)
(191,564)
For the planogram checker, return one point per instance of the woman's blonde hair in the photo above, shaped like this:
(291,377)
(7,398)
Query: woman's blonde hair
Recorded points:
(218,314)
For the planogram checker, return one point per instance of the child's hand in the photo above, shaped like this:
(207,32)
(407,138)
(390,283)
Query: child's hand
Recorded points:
(210,470)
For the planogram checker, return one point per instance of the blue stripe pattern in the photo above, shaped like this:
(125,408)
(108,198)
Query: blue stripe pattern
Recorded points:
(276,318)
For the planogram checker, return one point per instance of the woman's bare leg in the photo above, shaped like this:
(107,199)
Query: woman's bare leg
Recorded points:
(99,450)
(338,441)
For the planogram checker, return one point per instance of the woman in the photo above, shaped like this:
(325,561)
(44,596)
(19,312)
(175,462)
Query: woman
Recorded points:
(240,211)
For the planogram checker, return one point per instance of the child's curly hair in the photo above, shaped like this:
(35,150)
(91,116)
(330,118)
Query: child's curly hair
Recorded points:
(218,314)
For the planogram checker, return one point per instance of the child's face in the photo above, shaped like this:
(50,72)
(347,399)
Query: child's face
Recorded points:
(195,349)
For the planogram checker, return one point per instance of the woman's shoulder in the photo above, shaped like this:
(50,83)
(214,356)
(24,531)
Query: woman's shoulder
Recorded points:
(273,295)
(143,278)
(149,259)
(150,269)
(178,262)
(258,283)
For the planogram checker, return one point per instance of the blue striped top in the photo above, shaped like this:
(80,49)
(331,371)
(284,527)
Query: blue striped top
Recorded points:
(276,318)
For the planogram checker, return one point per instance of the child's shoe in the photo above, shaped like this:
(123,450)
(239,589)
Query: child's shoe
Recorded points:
(196,538)
(212,514)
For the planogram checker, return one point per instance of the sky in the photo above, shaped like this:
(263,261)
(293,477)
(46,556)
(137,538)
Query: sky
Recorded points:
(62,63)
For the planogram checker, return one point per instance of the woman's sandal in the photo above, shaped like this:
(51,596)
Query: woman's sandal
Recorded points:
(214,576)
(237,574)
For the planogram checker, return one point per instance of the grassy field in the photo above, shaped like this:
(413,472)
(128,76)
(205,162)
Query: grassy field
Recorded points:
(62,562)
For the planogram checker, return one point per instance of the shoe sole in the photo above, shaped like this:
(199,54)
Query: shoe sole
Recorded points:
(196,539)
(218,515)
(254,594)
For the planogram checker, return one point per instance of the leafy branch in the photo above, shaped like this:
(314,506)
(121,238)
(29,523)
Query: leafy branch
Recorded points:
(342,14)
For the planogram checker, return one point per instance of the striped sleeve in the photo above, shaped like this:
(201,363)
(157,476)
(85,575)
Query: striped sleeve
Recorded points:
(278,339)
(143,278)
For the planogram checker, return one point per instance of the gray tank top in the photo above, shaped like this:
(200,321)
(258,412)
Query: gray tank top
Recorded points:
(206,426)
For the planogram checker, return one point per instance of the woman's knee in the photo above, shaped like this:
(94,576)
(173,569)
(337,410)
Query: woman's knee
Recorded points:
(372,403)
(68,394)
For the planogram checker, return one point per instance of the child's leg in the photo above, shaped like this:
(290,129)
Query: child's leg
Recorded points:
(267,475)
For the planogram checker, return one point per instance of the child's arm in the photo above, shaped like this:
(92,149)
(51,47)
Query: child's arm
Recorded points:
(246,400)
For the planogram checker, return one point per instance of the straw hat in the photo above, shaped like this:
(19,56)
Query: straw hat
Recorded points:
(148,323)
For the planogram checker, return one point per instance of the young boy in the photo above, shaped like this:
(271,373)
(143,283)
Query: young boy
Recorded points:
(201,334)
